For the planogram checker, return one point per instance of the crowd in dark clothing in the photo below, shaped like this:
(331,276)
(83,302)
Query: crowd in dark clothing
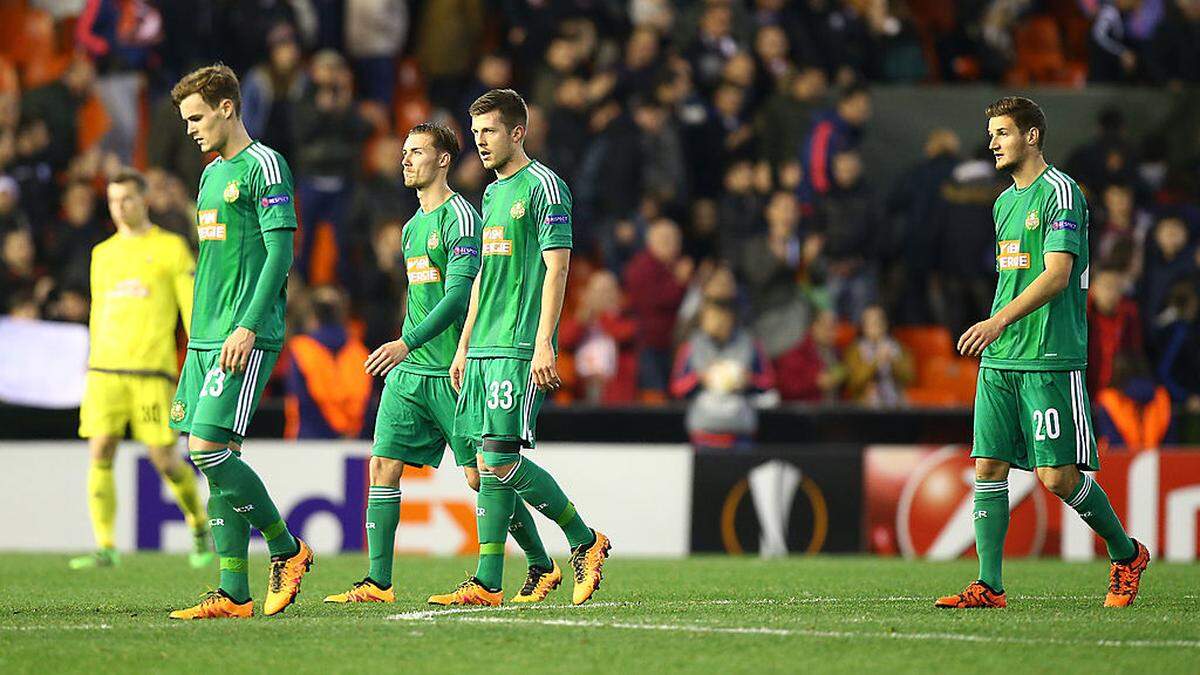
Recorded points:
(712,149)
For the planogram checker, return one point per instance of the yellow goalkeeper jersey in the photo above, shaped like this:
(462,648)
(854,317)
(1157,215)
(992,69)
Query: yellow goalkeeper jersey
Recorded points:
(140,284)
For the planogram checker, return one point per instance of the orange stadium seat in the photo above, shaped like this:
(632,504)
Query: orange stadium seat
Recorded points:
(925,341)
(1040,57)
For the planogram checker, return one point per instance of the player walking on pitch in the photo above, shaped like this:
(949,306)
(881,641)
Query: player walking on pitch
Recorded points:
(1031,406)
(246,222)
(141,281)
(506,357)
(416,414)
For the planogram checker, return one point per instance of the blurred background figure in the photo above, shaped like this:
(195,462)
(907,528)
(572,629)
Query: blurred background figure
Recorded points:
(878,368)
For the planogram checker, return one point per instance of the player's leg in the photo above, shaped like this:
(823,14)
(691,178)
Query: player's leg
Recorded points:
(1063,444)
(102,504)
(382,519)
(151,401)
(997,446)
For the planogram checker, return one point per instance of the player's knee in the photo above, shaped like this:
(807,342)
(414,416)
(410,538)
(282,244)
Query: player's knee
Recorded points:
(163,459)
(102,449)
(499,456)
(1061,480)
(472,478)
(990,469)
(386,471)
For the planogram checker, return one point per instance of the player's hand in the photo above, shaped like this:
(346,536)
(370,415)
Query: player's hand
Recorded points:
(458,367)
(545,374)
(979,336)
(388,356)
(235,353)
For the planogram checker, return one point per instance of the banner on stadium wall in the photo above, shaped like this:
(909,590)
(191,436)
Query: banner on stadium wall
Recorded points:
(919,502)
(778,502)
(42,363)
(639,495)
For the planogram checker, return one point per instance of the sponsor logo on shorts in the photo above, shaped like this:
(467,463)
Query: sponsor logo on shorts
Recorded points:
(1011,257)
(466,250)
(274,200)
(1063,225)
(231,193)
(558,219)
(421,271)
(494,242)
(1031,220)
(178,410)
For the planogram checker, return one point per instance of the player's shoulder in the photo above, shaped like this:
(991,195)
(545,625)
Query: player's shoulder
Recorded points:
(459,212)
(547,184)
(1061,190)
(168,239)
(108,244)
(267,162)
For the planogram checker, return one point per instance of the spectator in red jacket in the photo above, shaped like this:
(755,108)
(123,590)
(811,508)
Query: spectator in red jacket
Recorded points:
(812,370)
(1114,328)
(655,282)
(600,335)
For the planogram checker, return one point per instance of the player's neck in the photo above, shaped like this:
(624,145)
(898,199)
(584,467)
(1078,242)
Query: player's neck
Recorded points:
(126,230)
(1029,171)
(433,195)
(239,140)
(518,161)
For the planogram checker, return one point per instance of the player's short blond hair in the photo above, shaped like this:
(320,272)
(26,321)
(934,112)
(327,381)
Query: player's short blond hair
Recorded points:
(214,83)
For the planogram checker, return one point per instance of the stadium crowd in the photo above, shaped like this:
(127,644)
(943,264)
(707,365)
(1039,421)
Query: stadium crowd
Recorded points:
(730,248)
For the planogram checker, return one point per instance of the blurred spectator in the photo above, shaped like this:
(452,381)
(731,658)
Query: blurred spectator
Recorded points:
(494,71)
(771,267)
(785,118)
(1113,49)
(1114,327)
(713,46)
(852,225)
(835,131)
(812,369)
(655,281)
(169,148)
(380,199)
(1133,411)
(70,241)
(382,279)
(170,207)
(443,23)
(1179,365)
(1121,235)
(22,280)
(272,90)
(1108,157)
(718,368)
(740,209)
(601,337)
(327,387)
(567,124)
(331,134)
(639,69)
(1173,54)
(663,169)
(57,105)
(376,31)
(878,368)
(1169,258)
(11,215)
(33,171)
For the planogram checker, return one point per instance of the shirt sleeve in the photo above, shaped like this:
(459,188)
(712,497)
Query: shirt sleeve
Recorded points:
(552,208)
(462,236)
(273,191)
(1065,220)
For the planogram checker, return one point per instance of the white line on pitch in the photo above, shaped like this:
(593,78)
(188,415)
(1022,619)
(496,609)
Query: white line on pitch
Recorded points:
(64,626)
(833,634)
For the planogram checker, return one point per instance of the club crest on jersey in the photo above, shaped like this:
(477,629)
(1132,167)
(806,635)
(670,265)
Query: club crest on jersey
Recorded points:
(517,210)
(1031,220)
(432,242)
(178,411)
(231,192)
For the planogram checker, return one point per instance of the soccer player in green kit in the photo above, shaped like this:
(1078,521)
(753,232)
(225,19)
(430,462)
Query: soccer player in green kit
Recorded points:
(1031,407)
(416,414)
(246,220)
(505,361)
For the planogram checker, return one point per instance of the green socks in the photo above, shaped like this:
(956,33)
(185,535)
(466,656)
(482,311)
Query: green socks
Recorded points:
(383,515)
(244,491)
(494,510)
(1093,506)
(539,489)
(991,525)
(231,538)
(524,532)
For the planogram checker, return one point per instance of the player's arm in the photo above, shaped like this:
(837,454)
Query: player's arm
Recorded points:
(459,366)
(184,283)
(554,289)
(1048,284)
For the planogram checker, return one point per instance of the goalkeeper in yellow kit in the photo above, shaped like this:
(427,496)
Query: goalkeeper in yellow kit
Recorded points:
(141,283)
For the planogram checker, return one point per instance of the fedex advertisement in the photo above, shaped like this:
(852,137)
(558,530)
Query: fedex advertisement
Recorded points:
(919,502)
(321,490)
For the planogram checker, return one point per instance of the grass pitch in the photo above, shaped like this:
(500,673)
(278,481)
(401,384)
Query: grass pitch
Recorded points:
(704,614)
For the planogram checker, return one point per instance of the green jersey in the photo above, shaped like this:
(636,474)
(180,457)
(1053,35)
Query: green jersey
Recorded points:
(240,199)
(523,215)
(1048,215)
(437,245)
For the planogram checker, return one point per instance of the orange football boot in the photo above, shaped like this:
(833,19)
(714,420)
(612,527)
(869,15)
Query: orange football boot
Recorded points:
(1123,580)
(216,605)
(364,591)
(976,594)
(588,562)
(469,592)
(538,584)
(284,583)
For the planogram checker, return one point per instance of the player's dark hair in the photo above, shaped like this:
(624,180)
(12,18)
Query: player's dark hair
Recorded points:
(444,138)
(513,112)
(1024,112)
(214,83)
(128,175)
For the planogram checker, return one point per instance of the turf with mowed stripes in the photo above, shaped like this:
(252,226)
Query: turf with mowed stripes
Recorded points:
(718,614)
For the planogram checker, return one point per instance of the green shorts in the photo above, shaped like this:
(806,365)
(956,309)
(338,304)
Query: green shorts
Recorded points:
(416,421)
(1032,418)
(210,402)
(498,400)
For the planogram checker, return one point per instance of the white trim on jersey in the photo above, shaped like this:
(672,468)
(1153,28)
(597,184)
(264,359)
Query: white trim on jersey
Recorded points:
(549,182)
(268,163)
(466,216)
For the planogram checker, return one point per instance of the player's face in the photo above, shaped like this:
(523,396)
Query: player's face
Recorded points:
(421,161)
(206,125)
(495,142)
(1008,145)
(126,204)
